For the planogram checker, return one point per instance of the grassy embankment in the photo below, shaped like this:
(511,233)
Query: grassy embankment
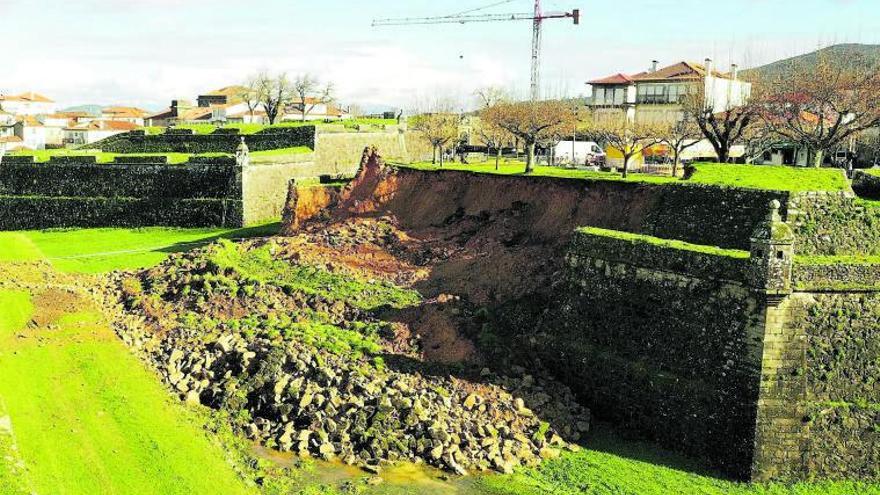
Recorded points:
(745,176)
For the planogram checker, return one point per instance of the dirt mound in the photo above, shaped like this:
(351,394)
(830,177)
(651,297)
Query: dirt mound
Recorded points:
(52,304)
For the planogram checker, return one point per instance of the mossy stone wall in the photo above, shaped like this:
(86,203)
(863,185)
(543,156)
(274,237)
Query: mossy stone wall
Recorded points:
(34,212)
(661,349)
(682,347)
(119,180)
(834,224)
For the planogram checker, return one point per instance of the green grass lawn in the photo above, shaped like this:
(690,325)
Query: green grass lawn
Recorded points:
(103,250)
(515,167)
(282,151)
(88,418)
(778,178)
(745,176)
(102,157)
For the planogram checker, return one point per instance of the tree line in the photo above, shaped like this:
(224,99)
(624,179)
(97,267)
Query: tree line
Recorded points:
(275,93)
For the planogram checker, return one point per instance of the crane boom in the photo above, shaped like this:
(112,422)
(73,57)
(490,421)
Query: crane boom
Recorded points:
(537,17)
(463,19)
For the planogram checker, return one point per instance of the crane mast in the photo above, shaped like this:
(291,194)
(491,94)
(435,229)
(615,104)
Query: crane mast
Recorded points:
(535,89)
(537,17)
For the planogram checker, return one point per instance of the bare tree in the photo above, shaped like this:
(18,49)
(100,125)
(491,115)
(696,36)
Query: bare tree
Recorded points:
(491,95)
(627,138)
(309,93)
(758,139)
(679,136)
(439,129)
(275,93)
(493,136)
(249,93)
(722,128)
(531,121)
(822,106)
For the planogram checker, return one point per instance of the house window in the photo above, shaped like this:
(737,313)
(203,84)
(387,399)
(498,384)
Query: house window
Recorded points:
(599,96)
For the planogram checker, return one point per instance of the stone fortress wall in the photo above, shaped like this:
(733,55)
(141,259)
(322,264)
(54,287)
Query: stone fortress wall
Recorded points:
(76,191)
(707,321)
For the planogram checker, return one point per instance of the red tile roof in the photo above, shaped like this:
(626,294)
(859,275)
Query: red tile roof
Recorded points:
(124,112)
(615,79)
(29,96)
(104,125)
(682,71)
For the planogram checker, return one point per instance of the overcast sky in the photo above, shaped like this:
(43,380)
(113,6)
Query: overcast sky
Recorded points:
(146,52)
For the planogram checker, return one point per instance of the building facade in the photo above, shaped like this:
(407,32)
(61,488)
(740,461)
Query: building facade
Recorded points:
(29,103)
(656,96)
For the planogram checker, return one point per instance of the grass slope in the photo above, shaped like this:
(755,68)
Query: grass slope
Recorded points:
(107,249)
(613,466)
(89,418)
(667,243)
(716,174)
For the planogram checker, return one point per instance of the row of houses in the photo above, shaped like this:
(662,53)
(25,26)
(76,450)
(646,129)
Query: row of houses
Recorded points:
(32,121)
(229,106)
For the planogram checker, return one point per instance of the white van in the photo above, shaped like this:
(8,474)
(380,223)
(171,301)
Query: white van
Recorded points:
(584,153)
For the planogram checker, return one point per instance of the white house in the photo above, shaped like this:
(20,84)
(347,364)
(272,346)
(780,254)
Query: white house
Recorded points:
(317,111)
(32,132)
(656,95)
(27,104)
(95,131)
(124,114)
(8,140)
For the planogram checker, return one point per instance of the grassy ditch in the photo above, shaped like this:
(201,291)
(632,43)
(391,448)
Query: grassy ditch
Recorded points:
(107,249)
(86,416)
(774,178)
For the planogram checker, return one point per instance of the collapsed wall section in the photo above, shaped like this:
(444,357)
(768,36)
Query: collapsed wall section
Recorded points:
(555,207)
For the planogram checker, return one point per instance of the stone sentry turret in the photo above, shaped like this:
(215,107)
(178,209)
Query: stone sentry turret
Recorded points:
(772,255)
(242,154)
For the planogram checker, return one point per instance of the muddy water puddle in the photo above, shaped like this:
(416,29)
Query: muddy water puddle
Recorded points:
(401,478)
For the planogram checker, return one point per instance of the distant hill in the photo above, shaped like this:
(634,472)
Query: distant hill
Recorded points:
(836,52)
(94,110)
